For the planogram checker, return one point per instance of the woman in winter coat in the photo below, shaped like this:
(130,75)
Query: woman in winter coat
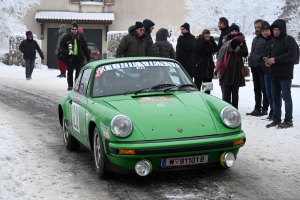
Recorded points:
(28,47)
(203,64)
(162,47)
(229,64)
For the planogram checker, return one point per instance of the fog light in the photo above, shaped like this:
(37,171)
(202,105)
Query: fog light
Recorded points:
(143,168)
(227,159)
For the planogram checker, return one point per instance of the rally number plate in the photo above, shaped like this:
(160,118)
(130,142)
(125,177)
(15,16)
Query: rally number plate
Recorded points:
(182,161)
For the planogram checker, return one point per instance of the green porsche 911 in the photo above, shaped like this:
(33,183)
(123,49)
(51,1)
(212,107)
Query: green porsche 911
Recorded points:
(144,114)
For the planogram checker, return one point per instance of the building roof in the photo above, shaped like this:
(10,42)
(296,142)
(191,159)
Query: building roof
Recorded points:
(57,16)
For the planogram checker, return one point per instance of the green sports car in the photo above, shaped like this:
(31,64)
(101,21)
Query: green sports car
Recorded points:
(144,114)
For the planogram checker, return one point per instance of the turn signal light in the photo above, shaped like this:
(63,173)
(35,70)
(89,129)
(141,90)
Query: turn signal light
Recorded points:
(126,151)
(238,142)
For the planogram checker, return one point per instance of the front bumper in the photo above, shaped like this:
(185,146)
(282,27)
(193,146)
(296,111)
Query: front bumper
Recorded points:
(154,151)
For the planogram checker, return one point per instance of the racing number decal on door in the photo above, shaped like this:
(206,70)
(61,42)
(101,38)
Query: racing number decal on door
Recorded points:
(75,116)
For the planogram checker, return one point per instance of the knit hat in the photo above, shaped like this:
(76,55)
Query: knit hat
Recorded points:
(186,26)
(74,24)
(29,34)
(234,27)
(265,25)
(138,25)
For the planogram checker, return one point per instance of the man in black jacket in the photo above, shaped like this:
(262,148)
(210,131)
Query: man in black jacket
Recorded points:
(184,48)
(74,48)
(283,51)
(224,28)
(255,58)
(149,26)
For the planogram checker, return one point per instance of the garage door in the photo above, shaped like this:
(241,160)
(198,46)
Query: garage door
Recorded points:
(92,35)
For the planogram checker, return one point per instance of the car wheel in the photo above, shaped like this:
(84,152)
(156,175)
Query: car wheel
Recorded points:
(71,143)
(101,169)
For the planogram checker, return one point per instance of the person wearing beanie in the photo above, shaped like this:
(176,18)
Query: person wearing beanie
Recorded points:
(229,65)
(224,28)
(282,53)
(254,60)
(74,48)
(62,31)
(28,47)
(184,49)
(266,35)
(133,44)
(203,64)
(149,26)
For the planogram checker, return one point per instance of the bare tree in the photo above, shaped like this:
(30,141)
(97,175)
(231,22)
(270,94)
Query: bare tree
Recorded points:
(12,12)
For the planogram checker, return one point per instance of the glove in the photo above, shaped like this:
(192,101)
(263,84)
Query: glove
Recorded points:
(234,44)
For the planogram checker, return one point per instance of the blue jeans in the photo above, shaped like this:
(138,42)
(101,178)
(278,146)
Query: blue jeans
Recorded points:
(282,88)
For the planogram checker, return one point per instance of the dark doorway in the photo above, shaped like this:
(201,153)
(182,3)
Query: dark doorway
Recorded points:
(92,35)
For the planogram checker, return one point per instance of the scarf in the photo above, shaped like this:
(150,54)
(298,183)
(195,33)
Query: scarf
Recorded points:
(224,53)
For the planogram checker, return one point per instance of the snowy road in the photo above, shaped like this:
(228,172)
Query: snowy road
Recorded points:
(34,163)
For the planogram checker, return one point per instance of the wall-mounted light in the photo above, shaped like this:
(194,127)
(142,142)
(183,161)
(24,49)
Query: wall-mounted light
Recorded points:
(42,36)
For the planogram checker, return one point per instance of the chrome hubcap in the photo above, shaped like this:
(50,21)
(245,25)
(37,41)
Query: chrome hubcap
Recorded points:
(97,150)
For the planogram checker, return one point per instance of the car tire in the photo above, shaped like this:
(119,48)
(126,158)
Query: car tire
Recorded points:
(101,170)
(71,143)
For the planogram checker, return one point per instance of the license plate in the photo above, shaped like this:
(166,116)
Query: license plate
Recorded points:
(182,161)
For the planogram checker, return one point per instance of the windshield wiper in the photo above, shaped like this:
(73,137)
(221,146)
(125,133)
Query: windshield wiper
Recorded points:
(181,86)
(155,87)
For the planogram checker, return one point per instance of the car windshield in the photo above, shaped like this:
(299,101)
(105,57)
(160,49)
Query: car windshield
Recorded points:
(138,77)
(91,47)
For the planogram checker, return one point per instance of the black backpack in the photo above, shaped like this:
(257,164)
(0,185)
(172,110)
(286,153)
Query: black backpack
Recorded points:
(296,60)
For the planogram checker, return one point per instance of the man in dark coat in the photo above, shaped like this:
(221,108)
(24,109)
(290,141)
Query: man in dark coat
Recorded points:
(149,26)
(74,48)
(224,28)
(283,51)
(184,49)
(254,60)
(28,47)
(203,65)
(134,44)
(162,47)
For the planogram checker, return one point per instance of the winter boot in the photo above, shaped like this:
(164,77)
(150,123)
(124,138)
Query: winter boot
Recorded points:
(63,75)
(272,124)
(285,124)
(255,112)
(69,88)
(264,112)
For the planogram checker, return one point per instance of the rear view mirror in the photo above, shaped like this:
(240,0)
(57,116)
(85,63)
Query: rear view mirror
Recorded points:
(207,86)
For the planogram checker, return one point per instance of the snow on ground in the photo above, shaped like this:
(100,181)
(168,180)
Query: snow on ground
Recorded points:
(272,149)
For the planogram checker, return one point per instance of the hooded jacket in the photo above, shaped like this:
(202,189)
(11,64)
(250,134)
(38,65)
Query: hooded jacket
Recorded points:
(131,45)
(62,33)
(162,47)
(255,58)
(29,46)
(147,24)
(184,52)
(203,65)
(283,54)
(81,45)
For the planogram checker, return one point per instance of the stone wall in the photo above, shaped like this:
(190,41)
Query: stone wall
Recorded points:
(15,56)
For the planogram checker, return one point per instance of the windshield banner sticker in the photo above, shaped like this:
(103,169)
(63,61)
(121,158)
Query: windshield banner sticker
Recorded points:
(155,99)
(138,65)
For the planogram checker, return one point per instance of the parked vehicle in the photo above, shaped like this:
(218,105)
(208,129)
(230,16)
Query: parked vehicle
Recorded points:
(95,53)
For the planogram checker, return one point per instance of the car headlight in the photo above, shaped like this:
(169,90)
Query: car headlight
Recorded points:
(230,117)
(121,126)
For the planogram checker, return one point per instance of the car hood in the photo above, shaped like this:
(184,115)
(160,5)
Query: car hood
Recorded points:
(168,116)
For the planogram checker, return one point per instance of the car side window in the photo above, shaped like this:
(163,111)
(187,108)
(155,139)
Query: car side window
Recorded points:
(84,82)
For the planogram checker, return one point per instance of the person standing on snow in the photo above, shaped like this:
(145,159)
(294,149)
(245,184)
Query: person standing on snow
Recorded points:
(74,48)
(149,26)
(229,64)
(224,28)
(184,49)
(133,44)
(28,47)
(62,67)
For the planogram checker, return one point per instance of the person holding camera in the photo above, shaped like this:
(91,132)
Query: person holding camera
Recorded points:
(203,64)
(74,48)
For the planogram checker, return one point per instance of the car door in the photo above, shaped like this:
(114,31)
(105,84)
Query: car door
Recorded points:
(78,107)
